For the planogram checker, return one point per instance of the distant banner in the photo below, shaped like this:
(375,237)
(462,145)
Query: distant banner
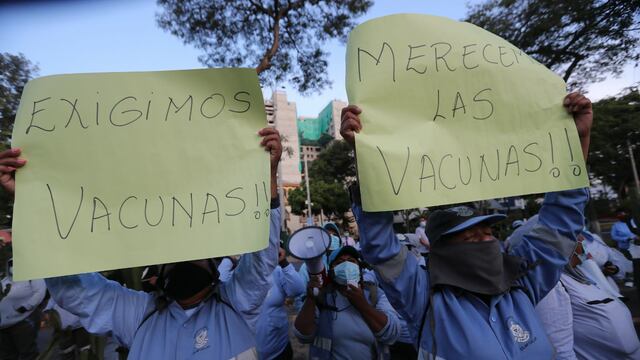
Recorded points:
(452,113)
(131,169)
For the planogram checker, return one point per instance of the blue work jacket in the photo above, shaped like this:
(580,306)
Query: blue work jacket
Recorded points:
(465,326)
(215,329)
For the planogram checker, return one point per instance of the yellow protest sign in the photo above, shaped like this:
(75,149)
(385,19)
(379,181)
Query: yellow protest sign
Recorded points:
(453,113)
(130,169)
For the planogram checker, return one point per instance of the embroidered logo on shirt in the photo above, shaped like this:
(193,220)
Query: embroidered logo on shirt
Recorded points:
(519,334)
(201,339)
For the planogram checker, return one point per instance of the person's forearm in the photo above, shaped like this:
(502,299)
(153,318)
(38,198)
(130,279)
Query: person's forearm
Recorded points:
(305,321)
(376,320)
(584,144)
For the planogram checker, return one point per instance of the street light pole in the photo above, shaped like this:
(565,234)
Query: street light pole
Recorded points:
(306,181)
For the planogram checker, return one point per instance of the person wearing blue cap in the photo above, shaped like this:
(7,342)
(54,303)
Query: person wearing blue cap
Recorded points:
(351,317)
(473,301)
(196,316)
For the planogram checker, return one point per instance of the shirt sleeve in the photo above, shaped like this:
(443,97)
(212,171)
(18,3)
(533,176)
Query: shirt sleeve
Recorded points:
(547,245)
(102,305)
(250,282)
(291,282)
(39,290)
(404,282)
(390,332)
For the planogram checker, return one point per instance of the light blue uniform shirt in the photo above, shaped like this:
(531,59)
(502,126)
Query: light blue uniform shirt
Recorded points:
(621,234)
(602,325)
(26,294)
(465,326)
(272,330)
(214,330)
(351,336)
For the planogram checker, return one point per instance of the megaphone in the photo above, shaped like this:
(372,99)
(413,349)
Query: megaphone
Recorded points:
(309,244)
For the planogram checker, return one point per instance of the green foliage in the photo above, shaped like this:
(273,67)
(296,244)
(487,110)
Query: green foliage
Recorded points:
(15,71)
(583,40)
(334,164)
(329,175)
(617,120)
(283,39)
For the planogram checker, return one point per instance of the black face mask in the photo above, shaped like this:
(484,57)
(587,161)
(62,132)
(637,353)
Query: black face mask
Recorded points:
(478,267)
(185,280)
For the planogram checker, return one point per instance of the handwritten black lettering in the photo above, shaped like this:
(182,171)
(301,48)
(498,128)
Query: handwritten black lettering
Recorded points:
(211,98)
(465,54)
(246,101)
(477,100)
(448,47)
(377,59)
(146,215)
(440,172)
(206,206)
(411,57)
(393,187)
(433,171)
(106,214)
(139,113)
(120,213)
(525,150)
(74,111)
(178,108)
(33,114)
(244,204)
(55,213)
(189,212)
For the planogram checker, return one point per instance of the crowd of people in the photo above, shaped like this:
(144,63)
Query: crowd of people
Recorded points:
(451,290)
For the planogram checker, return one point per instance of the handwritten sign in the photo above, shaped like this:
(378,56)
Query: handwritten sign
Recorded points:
(130,169)
(453,113)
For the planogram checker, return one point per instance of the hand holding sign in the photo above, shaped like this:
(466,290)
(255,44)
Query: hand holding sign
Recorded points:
(131,169)
(452,113)
(9,163)
(580,107)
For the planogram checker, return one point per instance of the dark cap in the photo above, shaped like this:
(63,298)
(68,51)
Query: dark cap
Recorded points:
(456,219)
(345,250)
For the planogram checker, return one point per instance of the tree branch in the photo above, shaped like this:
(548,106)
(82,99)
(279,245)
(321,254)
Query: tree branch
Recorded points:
(265,62)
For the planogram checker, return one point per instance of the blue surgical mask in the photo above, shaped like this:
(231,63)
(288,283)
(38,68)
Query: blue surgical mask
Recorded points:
(347,273)
(423,224)
(335,242)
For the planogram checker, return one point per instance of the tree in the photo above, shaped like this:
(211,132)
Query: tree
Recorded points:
(15,71)
(329,175)
(283,39)
(617,121)
(583,40)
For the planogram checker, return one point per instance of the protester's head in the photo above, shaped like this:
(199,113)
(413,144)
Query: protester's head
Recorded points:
(344,266)
(621,214)
(460,224)
(333,230)
(423,222)
(187,280)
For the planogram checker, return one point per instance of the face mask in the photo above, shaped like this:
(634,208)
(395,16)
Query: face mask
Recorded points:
(185,280)
(346,273)
(423,224)
(479,267)
(335,242)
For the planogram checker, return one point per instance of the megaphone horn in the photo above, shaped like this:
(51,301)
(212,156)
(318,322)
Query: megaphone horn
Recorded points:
(310,244)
